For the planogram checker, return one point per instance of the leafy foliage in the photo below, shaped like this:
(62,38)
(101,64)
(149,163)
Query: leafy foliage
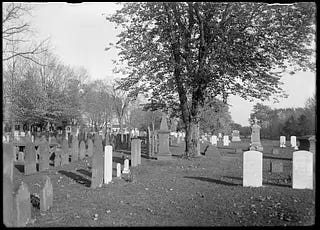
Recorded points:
(182,53)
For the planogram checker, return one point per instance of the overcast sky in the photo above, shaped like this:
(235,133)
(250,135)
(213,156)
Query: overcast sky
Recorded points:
(79,34)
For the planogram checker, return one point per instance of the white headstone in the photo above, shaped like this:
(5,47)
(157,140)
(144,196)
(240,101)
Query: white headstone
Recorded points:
(282,141)
(226,140)
(214,140)
(252,169)
(302,170)
(22,134)
(126,166)
(293,141)
(118,170)
(107,164)
(220,135)
(32,138)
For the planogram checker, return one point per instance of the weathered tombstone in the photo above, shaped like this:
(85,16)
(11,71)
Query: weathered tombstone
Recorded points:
(44,155)
(64,152)
(8,158)
(276,166)
(164,152)
(255,137)
(97,163)
(118,170)
(275,151)
(22,206)
(90,148)
(214,140)
(30,157)
(293,141)
(252,169)
(134,152)
(226,140)
(282,141)
(58,158)
(235,136)
(302,170)
(107,164)
(7,194)
(126,167)
(82,151)
(46,195)
(75,149)
(238,150)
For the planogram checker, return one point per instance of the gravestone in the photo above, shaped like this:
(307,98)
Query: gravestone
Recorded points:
(43,155)
(8,158)
(164,152)
(58,158)
(22,206)
(7,194)
(302,170)
(275,151)
(46,195)
(214,140)
(139,151)
(293,141)
(238,150)
(107,164)
(235,136)
(30,157)
(282,141)
(134,152)
(82,151)
(220,135)
(90,148)
(276,166)
(126,167)
(97,163)
(255,137)
(65,152)
(252,169)
(75,149)
(118,170)
(226,140)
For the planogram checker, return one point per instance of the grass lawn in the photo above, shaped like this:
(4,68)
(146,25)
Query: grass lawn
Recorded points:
(204,191)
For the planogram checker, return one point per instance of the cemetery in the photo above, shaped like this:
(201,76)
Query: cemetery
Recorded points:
(145,136)
(123,187)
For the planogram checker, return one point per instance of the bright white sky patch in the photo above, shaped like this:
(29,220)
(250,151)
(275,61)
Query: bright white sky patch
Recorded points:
(80,33)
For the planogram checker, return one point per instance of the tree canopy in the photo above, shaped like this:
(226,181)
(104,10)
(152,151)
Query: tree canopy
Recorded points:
(181,53)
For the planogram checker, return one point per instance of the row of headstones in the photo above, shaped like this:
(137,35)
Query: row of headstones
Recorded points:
(102,164)
(293,142)
(18,204)
(302,169)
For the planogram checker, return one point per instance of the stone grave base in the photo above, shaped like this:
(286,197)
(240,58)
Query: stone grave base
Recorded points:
(164,156)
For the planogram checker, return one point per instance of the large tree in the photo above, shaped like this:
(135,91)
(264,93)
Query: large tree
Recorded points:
(190,51)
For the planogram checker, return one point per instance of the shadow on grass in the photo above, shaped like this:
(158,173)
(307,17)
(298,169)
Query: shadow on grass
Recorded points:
(212,180)
(84,172)
(274,184)
(20,168)
(264,183)
(118,160)
(277,158)
(77,178)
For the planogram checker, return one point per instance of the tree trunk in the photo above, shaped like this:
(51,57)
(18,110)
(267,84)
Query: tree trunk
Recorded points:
(192,139)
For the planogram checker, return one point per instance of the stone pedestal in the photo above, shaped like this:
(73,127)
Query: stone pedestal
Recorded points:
(164,152)
(255,138)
